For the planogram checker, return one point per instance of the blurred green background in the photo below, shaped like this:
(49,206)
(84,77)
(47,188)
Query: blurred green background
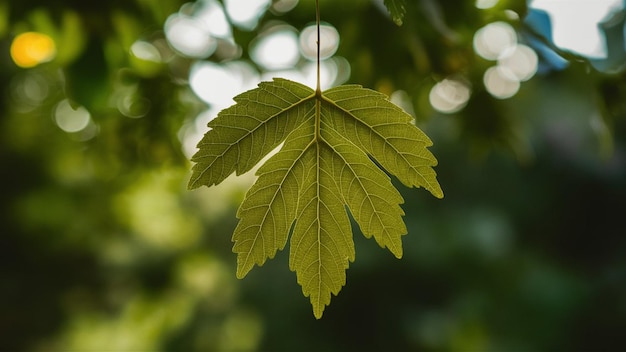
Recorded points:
(102,248)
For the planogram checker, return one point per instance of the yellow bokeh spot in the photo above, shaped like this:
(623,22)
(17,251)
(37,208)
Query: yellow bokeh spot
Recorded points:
(31,48)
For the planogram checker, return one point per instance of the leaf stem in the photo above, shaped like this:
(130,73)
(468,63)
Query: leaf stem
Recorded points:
(318,90)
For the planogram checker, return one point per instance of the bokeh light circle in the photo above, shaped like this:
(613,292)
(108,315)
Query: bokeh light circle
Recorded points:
(71,119)
(449,95)
(31,49)
(501,82)
(521,60)
(189,37)
(493,39)
(329,42)
(276,48)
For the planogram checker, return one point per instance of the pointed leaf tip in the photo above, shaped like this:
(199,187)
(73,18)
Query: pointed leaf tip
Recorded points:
(397,10)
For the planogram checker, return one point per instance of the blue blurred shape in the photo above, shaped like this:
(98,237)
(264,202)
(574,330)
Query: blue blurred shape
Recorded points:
(538,32)
(537,24)
(613,29)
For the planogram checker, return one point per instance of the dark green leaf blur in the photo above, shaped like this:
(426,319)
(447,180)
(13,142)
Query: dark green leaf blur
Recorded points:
(103,248)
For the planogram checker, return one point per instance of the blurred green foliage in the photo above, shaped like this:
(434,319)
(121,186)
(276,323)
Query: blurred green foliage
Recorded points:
(101,246)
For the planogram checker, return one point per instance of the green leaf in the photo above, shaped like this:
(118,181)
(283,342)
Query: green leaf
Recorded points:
(396,9)
(324,168)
